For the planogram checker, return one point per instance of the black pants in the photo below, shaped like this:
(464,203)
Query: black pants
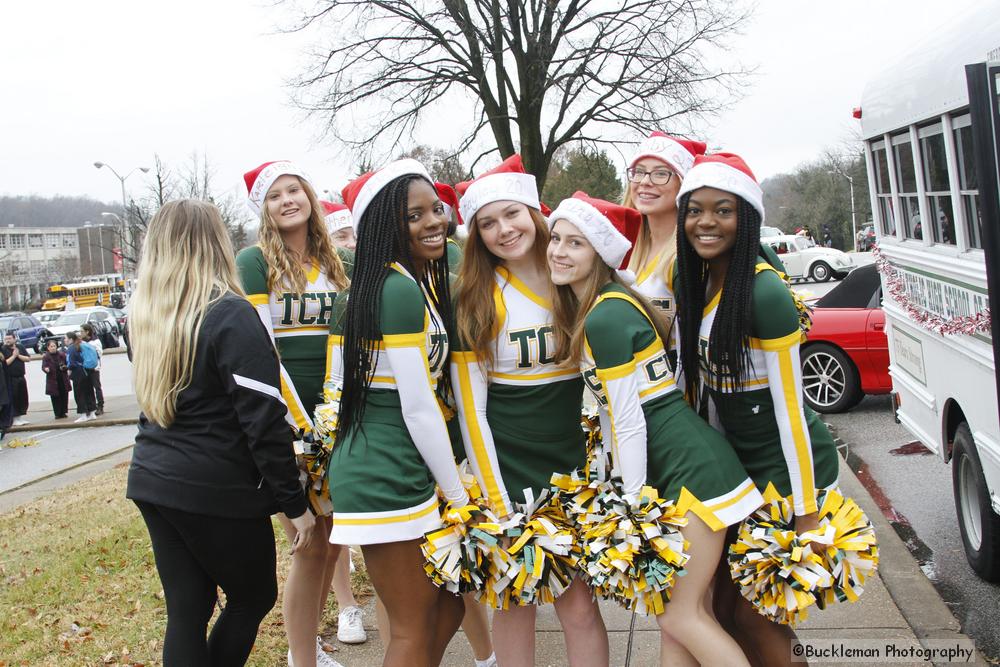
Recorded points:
(95,380)
(83,392)
(60,401)
(20,397)
(195,554)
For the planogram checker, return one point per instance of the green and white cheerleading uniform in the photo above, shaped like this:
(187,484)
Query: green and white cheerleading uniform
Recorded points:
(520,416)
(298,323)
(656,438)
(781,442)
(651,282)
(382,475)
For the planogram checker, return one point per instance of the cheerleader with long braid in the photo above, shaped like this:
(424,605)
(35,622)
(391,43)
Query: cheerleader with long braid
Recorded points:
(292,277)
(655,173)
(739,325)
(616,339)
(520,413)
(388,362)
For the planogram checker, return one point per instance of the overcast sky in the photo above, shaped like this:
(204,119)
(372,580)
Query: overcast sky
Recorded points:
(117,81)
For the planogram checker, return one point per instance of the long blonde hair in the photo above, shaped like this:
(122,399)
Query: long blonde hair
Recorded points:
(569,313)
(284,267)
(187,264)
(475,312)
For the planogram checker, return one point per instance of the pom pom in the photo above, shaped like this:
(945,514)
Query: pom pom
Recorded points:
(540,559)
(460,555)
(780,573)
(632,548)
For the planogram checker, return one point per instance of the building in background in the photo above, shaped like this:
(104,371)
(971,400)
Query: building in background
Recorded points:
(33,258)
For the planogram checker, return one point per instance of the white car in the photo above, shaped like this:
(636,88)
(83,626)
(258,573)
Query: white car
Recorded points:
(805,260)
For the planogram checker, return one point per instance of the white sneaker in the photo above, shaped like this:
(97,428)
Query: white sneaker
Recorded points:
(323,658)
(91,416)
(19,421)
(81,418)
(350,628)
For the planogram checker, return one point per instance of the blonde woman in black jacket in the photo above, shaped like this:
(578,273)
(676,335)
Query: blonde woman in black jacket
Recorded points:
(213,457)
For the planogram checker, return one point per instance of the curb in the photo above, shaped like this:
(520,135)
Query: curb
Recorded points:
(57,473)
(45,426)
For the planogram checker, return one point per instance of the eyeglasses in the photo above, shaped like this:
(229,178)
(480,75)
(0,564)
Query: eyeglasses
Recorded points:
(656,177)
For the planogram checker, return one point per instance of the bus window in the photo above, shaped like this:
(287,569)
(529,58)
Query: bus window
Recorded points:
(906,181)
(884,193)
(967,181)
(936,185)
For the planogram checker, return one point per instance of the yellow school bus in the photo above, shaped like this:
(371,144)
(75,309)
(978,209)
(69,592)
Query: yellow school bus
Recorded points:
(83,294)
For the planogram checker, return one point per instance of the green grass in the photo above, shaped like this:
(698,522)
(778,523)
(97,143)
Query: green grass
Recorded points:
(78,585)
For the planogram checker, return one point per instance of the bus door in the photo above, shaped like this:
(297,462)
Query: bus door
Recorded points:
(983,80)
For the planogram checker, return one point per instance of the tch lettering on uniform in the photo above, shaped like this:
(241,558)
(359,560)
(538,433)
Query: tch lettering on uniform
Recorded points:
(534,346)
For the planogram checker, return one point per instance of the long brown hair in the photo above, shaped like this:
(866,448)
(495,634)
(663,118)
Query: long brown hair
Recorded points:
(476,311)
(284,268)
(569,313)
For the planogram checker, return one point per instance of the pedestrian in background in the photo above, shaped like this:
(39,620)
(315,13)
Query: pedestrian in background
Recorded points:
(6,407)
(213,457)
(57,384)
(91,338)
(14,356)
(81,359)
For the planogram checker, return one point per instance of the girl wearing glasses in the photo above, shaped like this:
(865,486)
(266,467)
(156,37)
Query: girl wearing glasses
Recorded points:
(654,177)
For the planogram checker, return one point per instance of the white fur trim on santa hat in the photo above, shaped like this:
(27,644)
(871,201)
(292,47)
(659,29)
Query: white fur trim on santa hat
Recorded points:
(510,186)
(382,178)
(723,177)
(338,220)
(666,150)
(609,243)
(266,178)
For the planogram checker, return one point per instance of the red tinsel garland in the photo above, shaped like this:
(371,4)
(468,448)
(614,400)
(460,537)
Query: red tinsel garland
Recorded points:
(968,325)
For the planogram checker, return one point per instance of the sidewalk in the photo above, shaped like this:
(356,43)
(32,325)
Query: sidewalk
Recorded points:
(900,605)
(117,410)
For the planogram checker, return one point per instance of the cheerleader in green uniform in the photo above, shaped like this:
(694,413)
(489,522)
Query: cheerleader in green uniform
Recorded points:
(392,448)
(616,338)
(520,413)
(292,277)
(739,326)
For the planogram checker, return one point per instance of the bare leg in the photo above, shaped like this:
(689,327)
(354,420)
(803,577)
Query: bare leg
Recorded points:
(476,625)
(770,642)
(422,617)
(381,620)
(514,636)
(685,618)
(583,628)
(342,580)
(305,591)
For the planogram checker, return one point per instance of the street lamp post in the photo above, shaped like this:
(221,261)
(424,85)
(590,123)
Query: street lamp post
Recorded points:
(125,240)
(854,215)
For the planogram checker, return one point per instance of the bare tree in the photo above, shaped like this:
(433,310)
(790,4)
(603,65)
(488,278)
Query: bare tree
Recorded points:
(443,165)
(543,73)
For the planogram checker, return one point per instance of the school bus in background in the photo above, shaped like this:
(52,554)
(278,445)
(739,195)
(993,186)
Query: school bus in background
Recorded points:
(84,295)
(930,127)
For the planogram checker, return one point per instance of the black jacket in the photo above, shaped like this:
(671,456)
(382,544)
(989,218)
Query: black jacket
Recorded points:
(229,451)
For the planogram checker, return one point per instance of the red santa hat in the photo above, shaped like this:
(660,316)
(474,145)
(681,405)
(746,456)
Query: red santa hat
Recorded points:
(337,216)
(260,180)
(506,182)
(610,228)
(449,198)
(360,192)
(724,171)
(679,154)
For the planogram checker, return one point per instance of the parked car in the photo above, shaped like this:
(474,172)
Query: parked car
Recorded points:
(47,317)
(803,259)
(846,355)
(101,318)
(29,331)
(121,316)
(766,231)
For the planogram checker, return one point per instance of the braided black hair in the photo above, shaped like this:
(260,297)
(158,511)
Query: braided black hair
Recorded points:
(729,353)
(383,237)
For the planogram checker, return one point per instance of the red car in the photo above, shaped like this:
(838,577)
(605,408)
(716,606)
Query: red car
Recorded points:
(846,355)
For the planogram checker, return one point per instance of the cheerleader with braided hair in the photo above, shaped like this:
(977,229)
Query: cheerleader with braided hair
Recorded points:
(739,349)
(388,360)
